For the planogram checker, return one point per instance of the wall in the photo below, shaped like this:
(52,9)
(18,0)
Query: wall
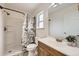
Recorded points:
(65,20)
(2,43)
(1,33)
(13,34)
(44,31)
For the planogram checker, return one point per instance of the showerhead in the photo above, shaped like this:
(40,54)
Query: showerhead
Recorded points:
(1,7)
(7,12)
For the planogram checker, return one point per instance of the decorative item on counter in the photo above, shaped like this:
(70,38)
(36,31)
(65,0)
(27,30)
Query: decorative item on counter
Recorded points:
(77,37)
(71,40)
(59,40)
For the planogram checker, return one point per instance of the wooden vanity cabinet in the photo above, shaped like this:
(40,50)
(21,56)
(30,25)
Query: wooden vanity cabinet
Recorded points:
(44,50)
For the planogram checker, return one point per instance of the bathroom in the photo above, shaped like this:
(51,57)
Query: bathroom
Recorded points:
(32,29)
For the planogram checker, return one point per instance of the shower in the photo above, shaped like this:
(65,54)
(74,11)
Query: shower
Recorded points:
(11,10)
(12,25)
(13,30)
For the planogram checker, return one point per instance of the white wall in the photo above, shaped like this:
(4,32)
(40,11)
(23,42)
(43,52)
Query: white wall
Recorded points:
(1,33)
(44,31)
(2,43)
(65,20)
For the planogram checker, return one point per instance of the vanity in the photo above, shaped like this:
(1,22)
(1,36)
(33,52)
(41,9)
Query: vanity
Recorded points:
(50,47)
(45,50)
(61,21)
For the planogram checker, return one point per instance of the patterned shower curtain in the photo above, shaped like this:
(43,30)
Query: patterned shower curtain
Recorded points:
(28,31)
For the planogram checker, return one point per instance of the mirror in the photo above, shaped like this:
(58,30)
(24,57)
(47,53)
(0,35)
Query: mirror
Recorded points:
(63,19)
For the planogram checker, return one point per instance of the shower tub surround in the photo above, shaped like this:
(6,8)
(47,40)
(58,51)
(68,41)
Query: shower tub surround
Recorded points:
(59,46)
(12,20)
(15,53)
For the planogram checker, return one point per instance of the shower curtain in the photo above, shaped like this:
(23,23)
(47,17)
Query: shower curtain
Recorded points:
(28,31)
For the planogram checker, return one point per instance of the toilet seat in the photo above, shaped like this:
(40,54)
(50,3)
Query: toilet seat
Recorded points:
(31,46)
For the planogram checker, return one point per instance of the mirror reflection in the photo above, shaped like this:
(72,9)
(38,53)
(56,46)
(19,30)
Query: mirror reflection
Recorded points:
(63,19)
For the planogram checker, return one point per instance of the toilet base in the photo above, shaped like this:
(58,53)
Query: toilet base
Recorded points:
(32,49)
(32,53)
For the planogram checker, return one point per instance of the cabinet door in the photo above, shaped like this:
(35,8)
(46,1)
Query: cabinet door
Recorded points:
(42,52)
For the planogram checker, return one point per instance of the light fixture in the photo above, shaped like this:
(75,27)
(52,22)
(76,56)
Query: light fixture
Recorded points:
(78,7)
(55,4)
(51,5)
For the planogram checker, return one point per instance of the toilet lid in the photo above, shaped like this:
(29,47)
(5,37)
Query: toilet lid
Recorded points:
(31,46)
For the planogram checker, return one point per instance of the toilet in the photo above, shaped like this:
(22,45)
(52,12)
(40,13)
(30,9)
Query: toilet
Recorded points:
(31,48)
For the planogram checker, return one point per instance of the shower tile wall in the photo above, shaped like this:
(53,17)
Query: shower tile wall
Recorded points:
(14,30)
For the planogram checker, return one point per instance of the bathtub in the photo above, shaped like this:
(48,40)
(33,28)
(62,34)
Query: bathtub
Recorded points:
(14,53)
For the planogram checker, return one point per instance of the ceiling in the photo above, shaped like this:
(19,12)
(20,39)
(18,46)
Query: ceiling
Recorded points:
(59,7)
(24,7)
(32,7)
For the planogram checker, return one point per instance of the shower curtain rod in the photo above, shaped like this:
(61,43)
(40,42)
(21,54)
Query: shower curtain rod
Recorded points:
(12,10)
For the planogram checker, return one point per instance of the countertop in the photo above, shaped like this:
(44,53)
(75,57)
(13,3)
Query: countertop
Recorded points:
(60,46)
